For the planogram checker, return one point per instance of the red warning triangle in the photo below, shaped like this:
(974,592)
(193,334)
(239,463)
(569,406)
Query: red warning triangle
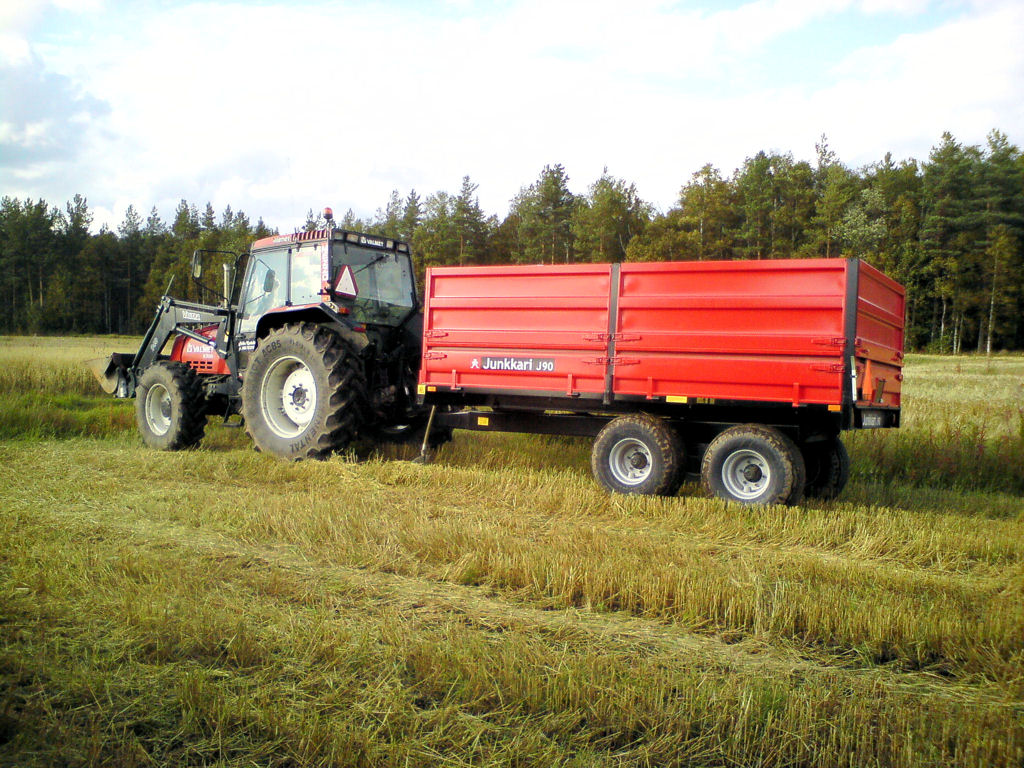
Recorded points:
(346,284)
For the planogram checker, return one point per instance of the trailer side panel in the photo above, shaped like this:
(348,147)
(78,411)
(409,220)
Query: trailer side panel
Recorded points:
(778,331)
(529,329)
(768,331)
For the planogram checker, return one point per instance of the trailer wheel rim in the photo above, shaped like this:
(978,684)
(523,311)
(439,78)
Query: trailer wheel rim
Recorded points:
(158,409)
(746,474)
(288,397)
(630,461)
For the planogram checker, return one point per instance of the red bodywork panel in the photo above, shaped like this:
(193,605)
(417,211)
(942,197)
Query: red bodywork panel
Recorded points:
(200,357)
(761,331)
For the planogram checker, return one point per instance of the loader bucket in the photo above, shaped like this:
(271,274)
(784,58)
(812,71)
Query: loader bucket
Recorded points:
(112,372)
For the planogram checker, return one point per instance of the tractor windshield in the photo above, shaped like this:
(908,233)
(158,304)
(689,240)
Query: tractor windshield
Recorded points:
(382,280)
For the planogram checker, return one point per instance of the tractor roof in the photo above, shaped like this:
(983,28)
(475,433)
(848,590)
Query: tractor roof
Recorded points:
(340,235)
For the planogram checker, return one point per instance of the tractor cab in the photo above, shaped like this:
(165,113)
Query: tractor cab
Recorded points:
(363,280)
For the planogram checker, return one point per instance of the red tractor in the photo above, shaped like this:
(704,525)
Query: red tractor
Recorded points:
(321,343)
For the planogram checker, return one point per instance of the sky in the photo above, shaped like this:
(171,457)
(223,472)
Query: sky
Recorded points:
(276,108)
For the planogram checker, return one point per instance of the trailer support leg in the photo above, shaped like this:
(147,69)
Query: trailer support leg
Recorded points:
(424,457)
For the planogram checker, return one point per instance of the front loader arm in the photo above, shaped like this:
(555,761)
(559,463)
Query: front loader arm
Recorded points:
(172,316)
(119,374)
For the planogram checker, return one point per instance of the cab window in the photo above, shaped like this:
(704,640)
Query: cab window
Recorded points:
(265,286)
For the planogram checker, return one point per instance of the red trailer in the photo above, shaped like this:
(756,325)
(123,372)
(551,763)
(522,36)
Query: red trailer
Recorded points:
(743,371)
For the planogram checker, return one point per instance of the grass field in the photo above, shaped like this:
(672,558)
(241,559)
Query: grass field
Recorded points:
(218,607)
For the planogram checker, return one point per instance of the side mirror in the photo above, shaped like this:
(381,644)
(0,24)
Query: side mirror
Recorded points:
(197,265)
(268,281)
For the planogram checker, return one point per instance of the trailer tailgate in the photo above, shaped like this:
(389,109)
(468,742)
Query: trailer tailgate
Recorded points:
(879,338)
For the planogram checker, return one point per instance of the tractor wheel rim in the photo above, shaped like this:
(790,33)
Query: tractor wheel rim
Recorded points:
(630,462)
(288,397)
(746,474)
(158,409)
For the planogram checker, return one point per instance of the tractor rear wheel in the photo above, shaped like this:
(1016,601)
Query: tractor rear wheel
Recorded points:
(170,406)
(304,393)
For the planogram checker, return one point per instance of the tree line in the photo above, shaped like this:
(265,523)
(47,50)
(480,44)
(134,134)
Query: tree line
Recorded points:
(950,228)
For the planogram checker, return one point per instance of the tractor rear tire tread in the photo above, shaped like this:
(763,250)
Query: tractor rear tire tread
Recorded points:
(341,383)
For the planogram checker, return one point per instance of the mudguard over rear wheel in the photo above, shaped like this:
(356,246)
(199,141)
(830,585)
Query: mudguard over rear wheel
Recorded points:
(304,393)
(637,454)
(753,464)
(170,406)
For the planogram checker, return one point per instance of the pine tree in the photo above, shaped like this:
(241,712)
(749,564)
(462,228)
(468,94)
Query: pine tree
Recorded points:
(949,230)
(470,224)
(545,211)
(610,216)
(436,241)
(131,236)
(835,185)
(411,215)
(387,221)
(707,213)
(209,220)
(315,220)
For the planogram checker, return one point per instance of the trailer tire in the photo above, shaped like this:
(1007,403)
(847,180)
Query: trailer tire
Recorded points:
(637,454)
(170,406)
(828,468)
(304,393)
(753,464)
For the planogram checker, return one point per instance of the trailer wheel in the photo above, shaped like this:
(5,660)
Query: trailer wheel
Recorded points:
(637,454)
(304,393)
(170,406)
(753,464)
(828,468)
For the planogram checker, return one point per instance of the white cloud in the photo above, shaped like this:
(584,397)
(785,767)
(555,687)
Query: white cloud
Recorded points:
(14,51)
(276,109)
(964,77)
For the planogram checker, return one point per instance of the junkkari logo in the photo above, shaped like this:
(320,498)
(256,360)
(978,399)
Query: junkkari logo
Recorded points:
(526,364)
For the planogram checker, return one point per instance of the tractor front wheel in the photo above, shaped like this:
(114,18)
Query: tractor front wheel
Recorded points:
(170,406)
(304,393)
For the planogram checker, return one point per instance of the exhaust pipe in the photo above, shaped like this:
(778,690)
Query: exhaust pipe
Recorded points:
(112,372)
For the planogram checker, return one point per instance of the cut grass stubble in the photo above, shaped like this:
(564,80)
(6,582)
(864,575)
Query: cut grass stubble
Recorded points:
(496,607)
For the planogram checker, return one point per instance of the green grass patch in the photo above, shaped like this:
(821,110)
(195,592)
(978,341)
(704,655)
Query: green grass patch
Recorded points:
(35,415)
